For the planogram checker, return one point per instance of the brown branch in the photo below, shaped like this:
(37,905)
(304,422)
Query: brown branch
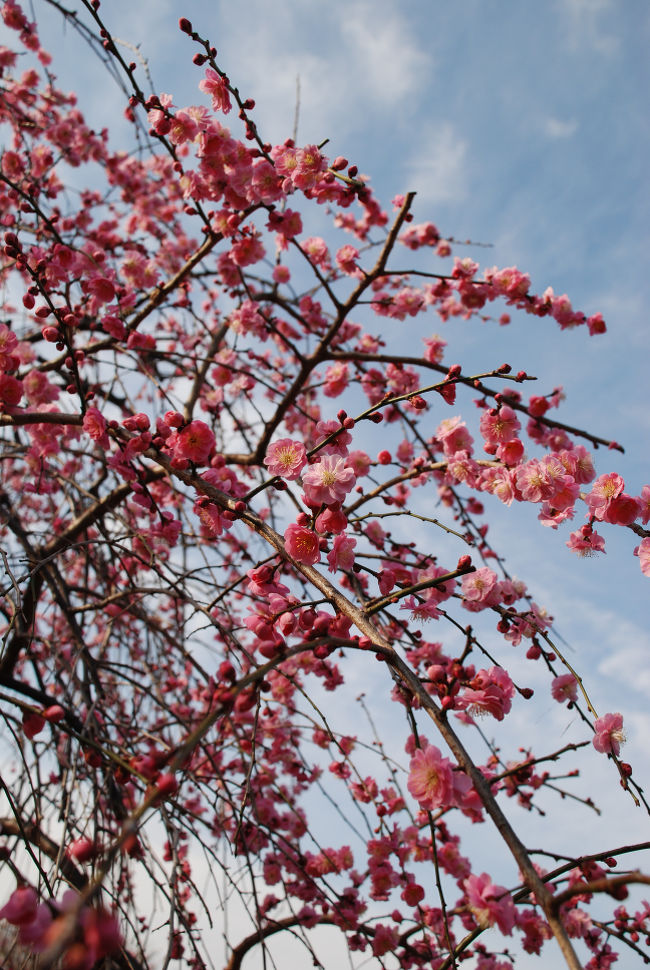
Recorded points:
(603,885)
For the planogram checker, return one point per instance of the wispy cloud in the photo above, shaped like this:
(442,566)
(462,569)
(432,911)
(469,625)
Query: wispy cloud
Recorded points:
(585,28)
(558,128)
(437,169)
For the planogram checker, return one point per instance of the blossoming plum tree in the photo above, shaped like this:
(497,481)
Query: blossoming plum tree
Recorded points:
(197,554)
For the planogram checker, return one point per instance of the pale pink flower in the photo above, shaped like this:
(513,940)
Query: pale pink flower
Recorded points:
(578,463)
(609,736)
(490,904)
(564,688)
(604,490)
(302,544)
(643,552)
(435,348)
(336,379)
(453,435)
(359,462)
(286,458)
(328,481)
(346,260)
(339,444)
(430,779)
(342,553)
(477,586)
(644,504)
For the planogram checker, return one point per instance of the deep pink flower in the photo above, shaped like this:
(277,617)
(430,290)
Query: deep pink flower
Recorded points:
(21,906)
(622,510)
(490,692)
(194,442)
(302,544)
(328,481)
(286,458)
(94,424)
(609,736)
(11,390)
(214,85)
(585,541)
(490,904)
(499,426)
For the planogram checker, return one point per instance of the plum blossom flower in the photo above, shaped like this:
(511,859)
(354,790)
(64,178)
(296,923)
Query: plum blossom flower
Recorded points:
(609,735)
(585,541)
(286,458)
(194,442)
(490,692)
(643,552)
(605,489)
(644,504)
(490,904)
(342,553)
(215,86)
(430,778)
(302,544)
(21,906)
(94,424)
(328,481)
(476,588)
(499,425)
(564,688)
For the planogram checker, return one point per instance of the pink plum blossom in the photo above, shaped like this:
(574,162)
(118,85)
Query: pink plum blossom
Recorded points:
(286,458)
(564,688)
(476,588)
(215,86)
(643,552)
(490,904)
(21,906)
(430,779)
(609,736)
(328,481)
(586,541)
(94,424)
(194,443)
(302,544)
(490,692)
(342,553)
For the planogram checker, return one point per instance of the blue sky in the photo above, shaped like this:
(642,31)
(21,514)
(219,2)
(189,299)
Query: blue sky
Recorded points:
(519,124)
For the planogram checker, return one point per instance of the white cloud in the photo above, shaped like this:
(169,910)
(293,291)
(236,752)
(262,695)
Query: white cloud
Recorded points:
(437,168)
(557,128)
(382,53)
(585,27)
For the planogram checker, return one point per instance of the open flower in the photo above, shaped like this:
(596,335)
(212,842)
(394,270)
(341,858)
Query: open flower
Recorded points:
(609,735)
(328,481)
(286,458)
(302,544)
